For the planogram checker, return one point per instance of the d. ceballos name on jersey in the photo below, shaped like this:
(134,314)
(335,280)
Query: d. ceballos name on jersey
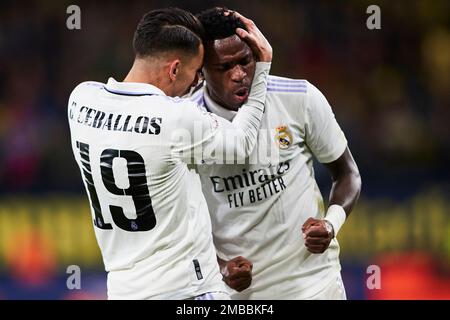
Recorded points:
(251,186)
(114,122)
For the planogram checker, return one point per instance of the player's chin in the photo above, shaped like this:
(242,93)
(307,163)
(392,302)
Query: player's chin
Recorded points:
(235,102)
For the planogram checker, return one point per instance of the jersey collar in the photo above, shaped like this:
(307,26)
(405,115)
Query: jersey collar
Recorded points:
(132,88)
(215,108)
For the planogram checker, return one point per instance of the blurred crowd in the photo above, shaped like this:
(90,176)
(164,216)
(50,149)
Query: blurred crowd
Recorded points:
(389,88)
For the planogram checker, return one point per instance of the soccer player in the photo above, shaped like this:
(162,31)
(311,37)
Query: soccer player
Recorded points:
(151,222)
(273,236)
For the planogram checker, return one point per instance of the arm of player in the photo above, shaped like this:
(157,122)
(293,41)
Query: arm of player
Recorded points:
(214,139)
(343,196)
(346,181)
(203,137)
(328,143)
(237,272)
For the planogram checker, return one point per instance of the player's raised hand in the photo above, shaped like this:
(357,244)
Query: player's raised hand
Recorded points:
(237,273)
(254,38)
(316,234)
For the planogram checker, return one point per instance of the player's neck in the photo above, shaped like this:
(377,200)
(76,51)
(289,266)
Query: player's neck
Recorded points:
(144,72)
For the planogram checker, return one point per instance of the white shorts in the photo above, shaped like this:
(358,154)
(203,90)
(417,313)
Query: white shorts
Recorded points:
(214,295)
(334,291)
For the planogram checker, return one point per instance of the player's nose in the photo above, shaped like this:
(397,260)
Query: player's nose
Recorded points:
(238,74)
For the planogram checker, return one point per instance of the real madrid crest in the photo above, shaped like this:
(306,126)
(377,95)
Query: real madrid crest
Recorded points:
(283,137)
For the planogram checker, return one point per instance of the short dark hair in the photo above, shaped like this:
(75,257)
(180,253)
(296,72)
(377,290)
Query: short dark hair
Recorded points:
(167,29)
(218,26)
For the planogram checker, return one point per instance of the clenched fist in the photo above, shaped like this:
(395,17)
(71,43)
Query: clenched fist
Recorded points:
(317,234)
(237,273)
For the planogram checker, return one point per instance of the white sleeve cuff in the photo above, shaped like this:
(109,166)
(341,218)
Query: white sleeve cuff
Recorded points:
(336,216)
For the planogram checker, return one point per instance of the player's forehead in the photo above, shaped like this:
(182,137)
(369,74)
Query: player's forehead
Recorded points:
(227,50)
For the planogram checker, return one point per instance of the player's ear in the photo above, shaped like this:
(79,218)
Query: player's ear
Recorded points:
(174,69)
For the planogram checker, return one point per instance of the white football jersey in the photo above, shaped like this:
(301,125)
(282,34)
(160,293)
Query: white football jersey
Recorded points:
(151,220)
(258,208)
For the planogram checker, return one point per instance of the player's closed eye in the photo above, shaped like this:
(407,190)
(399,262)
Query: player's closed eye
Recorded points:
(225,66)
(245,61)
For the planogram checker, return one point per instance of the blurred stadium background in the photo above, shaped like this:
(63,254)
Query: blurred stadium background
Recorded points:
(389,89)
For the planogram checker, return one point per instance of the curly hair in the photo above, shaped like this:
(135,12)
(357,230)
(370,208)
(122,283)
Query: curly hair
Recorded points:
(218,26)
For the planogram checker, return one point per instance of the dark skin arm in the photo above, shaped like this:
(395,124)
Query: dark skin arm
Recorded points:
(237,272)
(344,192)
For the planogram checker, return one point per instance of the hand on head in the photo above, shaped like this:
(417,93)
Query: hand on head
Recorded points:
(254,38)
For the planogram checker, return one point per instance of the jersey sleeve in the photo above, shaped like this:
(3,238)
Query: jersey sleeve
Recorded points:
(324,137)
(203,137)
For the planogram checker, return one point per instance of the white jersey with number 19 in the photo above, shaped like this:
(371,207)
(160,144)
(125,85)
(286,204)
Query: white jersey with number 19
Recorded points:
(151,221)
